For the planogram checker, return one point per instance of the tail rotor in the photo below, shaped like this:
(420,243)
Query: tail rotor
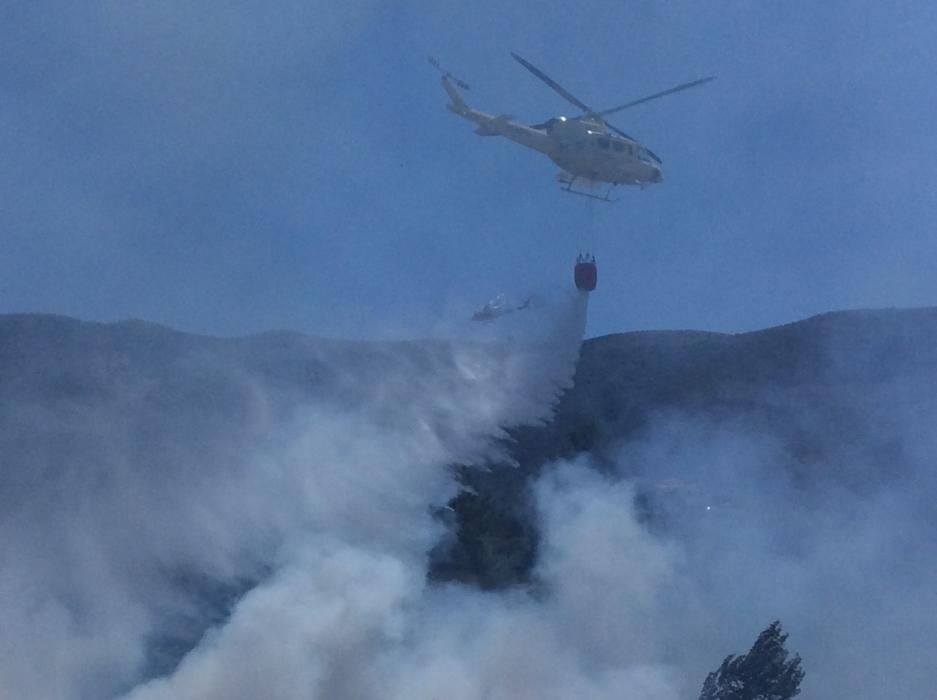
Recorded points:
(446,74)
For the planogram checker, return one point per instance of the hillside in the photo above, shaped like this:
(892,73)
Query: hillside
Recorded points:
(835,397)
(819,389)
(151,479)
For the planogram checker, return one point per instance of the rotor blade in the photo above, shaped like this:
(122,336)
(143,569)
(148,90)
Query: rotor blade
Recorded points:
(672,90)
(618,131)
(565,94)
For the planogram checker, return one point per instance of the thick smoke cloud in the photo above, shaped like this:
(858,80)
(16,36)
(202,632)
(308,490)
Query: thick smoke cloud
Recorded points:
(257,539)
(237,535)
(143,471)
(825,530)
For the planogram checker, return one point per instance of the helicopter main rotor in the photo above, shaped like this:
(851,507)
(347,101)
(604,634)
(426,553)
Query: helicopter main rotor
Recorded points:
(560,90)
(590,113)
(664,93)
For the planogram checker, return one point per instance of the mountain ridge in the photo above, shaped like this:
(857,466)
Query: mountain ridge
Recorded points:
(839,402)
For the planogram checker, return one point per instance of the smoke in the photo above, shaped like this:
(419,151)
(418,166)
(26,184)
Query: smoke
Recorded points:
(348,622)
(245,536)
(825,530)
(149,478)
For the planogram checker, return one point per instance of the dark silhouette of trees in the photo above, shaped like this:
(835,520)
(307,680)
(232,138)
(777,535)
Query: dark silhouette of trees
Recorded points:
(764,673)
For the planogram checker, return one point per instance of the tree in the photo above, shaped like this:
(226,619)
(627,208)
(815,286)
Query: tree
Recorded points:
(764,673)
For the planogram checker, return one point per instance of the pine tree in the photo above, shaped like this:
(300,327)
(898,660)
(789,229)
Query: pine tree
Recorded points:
(764,673)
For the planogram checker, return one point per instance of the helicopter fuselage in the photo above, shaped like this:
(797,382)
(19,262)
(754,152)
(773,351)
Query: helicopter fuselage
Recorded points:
(586,149)
(582,147)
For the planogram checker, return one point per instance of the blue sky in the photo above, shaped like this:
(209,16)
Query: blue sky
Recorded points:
(233,167)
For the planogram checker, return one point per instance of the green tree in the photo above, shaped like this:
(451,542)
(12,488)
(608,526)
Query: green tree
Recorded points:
(764,673)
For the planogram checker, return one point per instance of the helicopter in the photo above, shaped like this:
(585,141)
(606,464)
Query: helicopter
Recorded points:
(587,148)
(499,306)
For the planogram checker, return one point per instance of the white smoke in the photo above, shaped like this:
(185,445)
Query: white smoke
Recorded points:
(349,596)
(328,505)
(323,517)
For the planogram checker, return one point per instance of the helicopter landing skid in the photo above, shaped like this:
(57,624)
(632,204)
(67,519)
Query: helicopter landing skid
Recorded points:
(569,188)
(606,198)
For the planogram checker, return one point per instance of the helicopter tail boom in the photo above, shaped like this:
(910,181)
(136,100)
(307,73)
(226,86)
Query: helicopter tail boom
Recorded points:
(495,126)
(491,125)
(458,105)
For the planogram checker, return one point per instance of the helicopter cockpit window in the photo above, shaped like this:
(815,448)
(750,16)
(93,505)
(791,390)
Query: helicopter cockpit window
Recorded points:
(603,143)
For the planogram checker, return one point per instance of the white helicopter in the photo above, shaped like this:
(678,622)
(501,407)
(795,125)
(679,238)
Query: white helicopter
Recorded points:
(587,147)
(499,306)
